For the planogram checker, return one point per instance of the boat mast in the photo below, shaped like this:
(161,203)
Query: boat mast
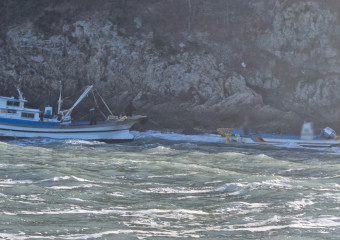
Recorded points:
(21,97)
(68,113)
(60,101)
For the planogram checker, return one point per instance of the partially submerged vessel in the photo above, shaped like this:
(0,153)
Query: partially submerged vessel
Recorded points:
(326,138)
(17,121)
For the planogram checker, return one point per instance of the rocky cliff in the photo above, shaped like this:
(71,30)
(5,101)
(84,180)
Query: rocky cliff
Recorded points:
(185,63)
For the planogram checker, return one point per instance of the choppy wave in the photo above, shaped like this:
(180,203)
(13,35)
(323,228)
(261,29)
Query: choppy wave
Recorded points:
(166,185)
(178,137)
(151,139)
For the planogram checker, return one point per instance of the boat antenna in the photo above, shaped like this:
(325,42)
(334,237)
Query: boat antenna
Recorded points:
(60,101)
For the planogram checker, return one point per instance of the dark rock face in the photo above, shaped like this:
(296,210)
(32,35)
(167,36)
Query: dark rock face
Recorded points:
(187,64)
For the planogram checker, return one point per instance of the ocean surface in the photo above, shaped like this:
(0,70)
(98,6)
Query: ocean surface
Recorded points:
(167,186)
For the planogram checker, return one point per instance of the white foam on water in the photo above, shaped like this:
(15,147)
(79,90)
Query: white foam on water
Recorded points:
(179,137)
(275,223)
(159,150)
(300,204)
(70,211)
(56,179)
(278,183)
(151,222)
(242,187)
(288,145)
(243,208)
(83,142)
(71,187)
(260,226)
(10,182)
(334,196)
(116,194)
(183,190)
(139,234)
(320,222)
(4,165)
(282,183)
(23,236)
(230,187)
(176,213)
(172,176)
(10,213)
(64,178)
(47,142)
(187,145)
(76,199)
(36,141)
(81,179)
(291,170)
(319,149)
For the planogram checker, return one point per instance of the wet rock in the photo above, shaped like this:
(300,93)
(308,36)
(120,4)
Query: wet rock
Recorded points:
(202,65)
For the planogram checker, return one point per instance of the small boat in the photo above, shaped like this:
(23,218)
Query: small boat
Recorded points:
(327,137)
(17,121)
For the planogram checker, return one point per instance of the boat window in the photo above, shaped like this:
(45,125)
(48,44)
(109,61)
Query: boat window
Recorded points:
(13,103)
(27,115)
(12,111)
(4,111)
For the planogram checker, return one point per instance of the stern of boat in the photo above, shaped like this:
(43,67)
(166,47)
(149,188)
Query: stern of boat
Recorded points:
(138,119)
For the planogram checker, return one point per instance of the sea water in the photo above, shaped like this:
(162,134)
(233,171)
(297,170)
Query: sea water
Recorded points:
(167,186)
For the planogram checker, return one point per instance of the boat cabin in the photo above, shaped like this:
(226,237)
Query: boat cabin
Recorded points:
(14,109)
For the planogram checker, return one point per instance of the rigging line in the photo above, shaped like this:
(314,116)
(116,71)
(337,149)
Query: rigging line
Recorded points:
(95,102)
(104,102)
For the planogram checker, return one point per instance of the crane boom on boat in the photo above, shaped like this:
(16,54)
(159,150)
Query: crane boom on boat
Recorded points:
(69,111)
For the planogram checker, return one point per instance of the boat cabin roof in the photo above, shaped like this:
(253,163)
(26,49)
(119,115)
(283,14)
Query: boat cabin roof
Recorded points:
(22,109)
(13,99)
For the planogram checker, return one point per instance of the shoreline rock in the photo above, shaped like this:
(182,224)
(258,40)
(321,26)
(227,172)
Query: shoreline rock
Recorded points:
(187,66)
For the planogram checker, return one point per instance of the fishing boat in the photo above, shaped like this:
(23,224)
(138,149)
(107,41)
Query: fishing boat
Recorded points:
(17,121)
(326,138)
